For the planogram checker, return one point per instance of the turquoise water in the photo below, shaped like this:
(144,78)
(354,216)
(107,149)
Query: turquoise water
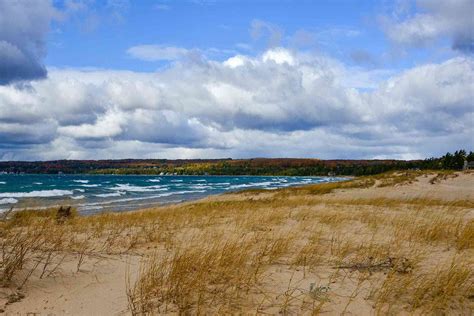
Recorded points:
(97,193)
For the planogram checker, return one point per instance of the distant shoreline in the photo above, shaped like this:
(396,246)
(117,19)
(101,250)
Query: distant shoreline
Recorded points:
(250,167)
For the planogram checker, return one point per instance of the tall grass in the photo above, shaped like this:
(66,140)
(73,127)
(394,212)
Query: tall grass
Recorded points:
(290,251)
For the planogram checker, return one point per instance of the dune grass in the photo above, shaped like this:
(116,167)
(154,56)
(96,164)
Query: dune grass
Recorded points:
(290,251)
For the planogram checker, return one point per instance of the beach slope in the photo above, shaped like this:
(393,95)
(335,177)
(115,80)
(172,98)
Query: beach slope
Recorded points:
(396,243)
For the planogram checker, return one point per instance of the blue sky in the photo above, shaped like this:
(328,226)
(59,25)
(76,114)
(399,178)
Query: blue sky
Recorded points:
(99,36)
(198,79)
(222,25)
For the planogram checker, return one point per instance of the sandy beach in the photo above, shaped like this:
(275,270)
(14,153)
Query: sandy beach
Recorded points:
(396,243)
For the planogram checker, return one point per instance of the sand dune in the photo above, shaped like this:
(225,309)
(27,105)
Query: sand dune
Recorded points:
(398,243)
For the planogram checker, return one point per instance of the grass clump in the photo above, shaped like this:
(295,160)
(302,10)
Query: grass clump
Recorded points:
(445,288)
(214,276)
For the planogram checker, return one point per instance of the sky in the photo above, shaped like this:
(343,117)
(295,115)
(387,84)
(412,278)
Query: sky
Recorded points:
(109,79)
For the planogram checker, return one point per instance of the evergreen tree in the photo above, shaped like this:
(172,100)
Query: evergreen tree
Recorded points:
(470,157)
(458,159)
(447,161)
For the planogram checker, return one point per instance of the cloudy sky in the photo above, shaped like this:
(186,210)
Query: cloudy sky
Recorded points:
(85,79)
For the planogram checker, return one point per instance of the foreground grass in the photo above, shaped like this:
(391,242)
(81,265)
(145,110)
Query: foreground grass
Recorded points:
(290,251)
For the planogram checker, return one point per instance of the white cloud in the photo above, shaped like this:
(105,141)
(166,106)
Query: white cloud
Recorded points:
(23,29)
(279,56)
(106,125)
(434,19)
(280,103)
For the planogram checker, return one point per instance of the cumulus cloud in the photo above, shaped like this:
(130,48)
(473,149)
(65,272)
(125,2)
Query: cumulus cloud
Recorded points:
(279,103)
(24,25)
(435,19)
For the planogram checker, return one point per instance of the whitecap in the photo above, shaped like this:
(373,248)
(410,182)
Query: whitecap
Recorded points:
(201,186)
(3,182)
(240,186)
(185,192)
(80,190)
(155,196)
(105,195)
(8,201)
(89,185)
(81,181)
(77,197)
(133,188)
(154,180)
(38,183)
(265,183)
(39,193)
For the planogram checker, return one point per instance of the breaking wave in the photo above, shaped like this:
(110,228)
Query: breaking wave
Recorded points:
(40,193)
(8,201)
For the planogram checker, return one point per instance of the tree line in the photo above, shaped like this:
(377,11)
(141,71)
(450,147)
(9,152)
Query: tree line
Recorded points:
(257,166)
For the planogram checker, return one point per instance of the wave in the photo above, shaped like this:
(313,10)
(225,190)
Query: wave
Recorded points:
(81,181)
(154,180)
(3,182)
(271,185)
(80,190)
(89,185)
(184,192)
(155,196)
(40,193)
(38,183)
(264,183)
(133,188)
(176,180)
(77,197)
(105,195)
(240,186)
(124,200)
(8,201)
(200,186)
(94,207)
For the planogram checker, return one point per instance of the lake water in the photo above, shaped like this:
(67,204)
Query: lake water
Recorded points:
(96,193)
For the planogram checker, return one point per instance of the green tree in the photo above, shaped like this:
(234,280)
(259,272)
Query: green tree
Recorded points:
(470,157)
(458,159)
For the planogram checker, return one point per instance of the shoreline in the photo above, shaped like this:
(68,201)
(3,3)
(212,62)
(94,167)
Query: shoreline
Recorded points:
(363,246)
(96,193)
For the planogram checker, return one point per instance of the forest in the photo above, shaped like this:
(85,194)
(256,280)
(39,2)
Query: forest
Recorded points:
(256,166)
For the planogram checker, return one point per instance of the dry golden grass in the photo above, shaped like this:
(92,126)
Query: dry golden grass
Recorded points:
(447,288)
(291,251)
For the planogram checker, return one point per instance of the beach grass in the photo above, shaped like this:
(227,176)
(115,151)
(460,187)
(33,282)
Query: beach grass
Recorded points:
(306,250)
